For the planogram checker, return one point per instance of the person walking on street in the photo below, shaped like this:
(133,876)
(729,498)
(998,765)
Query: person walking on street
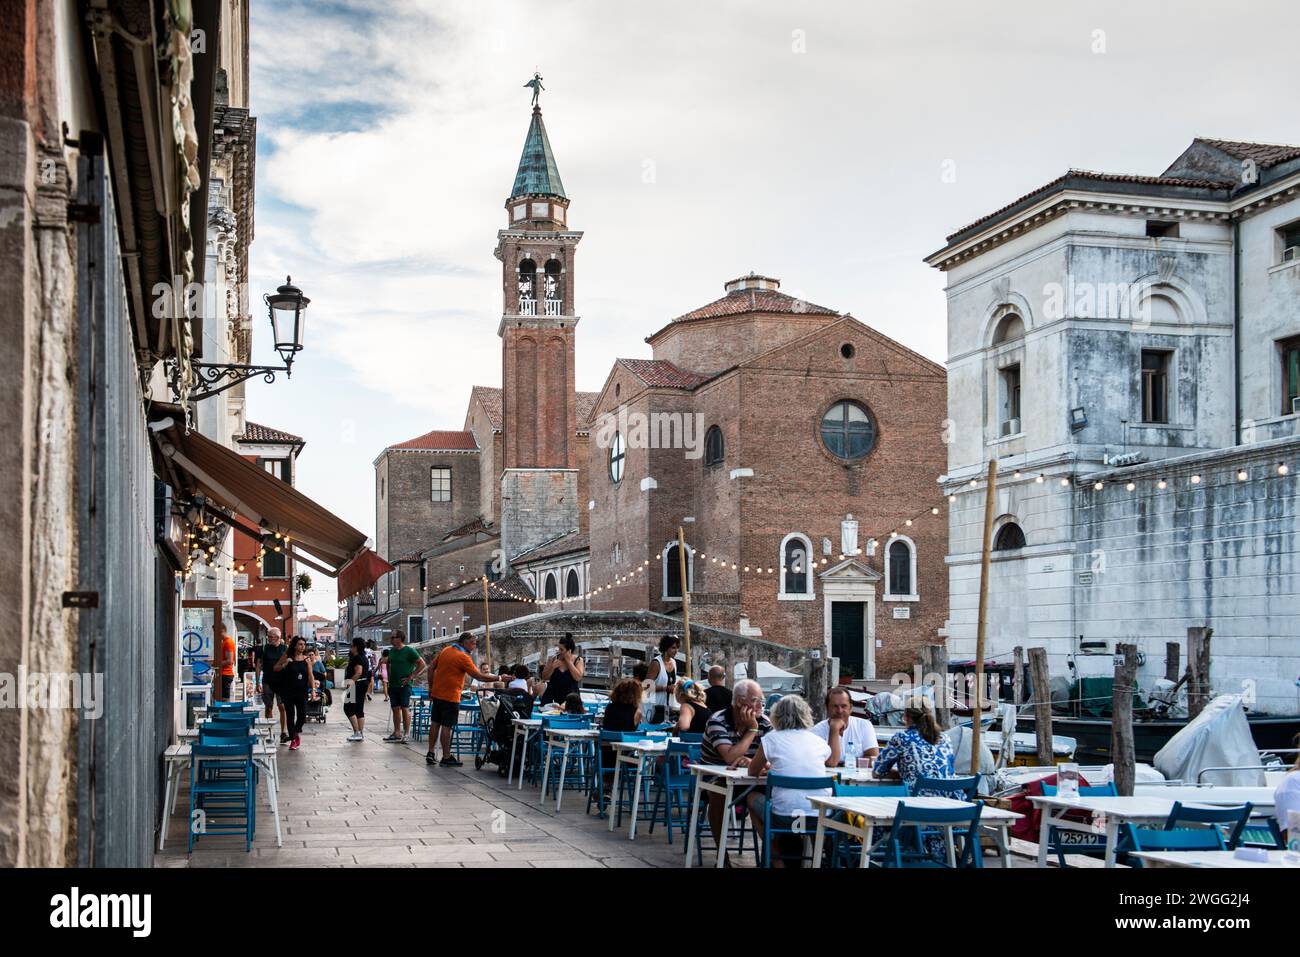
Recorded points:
(358,689)
(296,685)
(446,681)
(229,653)
(268,678)
(383,673)
(405,665)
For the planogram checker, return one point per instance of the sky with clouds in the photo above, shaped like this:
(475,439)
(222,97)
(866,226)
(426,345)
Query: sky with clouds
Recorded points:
(697,141)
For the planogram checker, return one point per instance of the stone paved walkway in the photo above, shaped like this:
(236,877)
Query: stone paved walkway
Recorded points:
(378,804)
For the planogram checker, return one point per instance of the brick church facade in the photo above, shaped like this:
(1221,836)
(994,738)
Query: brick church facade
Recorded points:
(796,447)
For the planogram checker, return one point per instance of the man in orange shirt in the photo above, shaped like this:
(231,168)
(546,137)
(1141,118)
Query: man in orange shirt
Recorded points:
(229,652)
(446,681)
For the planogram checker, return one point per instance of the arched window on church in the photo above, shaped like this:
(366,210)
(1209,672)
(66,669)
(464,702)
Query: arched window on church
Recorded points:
(527,287)
(714,449)
(571,589)
(900,568)
(552,589)
(553,288)
(796,560)
(1010,537)
(673,571)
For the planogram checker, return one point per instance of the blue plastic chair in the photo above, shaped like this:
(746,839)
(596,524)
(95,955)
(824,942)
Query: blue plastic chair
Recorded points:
(1061,842)
(899,849)
(1183,839)
(468,730)
(1264,834)
(1229,821)
(582,754)
(674,787)
(841,848)
(960,789)
(798,824)
(222,803)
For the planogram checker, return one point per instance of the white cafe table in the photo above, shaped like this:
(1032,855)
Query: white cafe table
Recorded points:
(523,728)
(722,780)
(178,758)
(1218,794)
(562,737)
(265,728)
(1215,859)
(880,812)
(1146,808)
(633,754)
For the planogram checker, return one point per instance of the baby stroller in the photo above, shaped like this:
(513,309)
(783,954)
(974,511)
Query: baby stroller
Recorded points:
(316,708)
(498,714)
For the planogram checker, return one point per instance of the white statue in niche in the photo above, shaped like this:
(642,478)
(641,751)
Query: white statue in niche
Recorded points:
(849,535)
(826,547)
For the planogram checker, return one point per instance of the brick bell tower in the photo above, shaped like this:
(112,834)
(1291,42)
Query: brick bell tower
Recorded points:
(539,481)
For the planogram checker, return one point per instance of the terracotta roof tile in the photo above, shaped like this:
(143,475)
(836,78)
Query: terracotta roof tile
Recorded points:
(438,441)
(511,585)
(264,433)
(585,404)
(661,373)
(490,398)
(1264,154)
(743,301)
(469,528)
(1086,176)
(574,541)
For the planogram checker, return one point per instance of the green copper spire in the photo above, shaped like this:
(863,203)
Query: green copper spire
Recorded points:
(538,175)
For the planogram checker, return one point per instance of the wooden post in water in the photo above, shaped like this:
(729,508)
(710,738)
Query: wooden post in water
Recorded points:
(1172,652)
(1018,677)
(1198,669)
(976,712)
(1042,705)
(1121,709)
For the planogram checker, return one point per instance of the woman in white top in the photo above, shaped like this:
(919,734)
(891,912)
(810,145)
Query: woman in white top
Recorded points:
(663,672)
(1287,798)
(791,749)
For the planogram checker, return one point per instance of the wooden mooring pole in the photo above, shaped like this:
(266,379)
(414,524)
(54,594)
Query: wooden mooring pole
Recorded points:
(1042,705)
(985,558)
(1121,709)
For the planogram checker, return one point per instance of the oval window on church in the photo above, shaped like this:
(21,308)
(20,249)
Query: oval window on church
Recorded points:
(617,456)
(848,431)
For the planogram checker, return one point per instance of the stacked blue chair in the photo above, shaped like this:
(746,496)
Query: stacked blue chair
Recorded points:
(1229,821)
(899,849)
(843,850)
(602,776)
(1184,839)
(221,802)
(675,788)
(799,824)
(467,734)
(582,754)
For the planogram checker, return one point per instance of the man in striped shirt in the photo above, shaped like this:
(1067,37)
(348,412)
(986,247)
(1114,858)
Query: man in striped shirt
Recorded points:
(731,738)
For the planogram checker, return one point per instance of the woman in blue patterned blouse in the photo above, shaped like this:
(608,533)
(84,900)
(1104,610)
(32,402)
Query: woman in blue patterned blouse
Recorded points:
(919,751)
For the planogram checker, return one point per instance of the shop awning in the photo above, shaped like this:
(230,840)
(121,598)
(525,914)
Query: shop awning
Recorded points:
(259,503)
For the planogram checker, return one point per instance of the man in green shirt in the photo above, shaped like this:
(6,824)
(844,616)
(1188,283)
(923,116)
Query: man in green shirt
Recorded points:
(405,665)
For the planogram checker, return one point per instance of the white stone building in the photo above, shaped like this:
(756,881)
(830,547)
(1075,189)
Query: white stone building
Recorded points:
(1128,349)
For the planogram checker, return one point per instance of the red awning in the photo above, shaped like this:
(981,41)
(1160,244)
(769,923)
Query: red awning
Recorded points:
(258,502)
(361,572)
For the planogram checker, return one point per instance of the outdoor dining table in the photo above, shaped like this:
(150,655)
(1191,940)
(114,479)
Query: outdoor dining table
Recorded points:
(1145,808)
(633,753)
(179,756)
(880,812)
(720,779)
(564,737)
(522,728)
(1219,794)
(1216,859)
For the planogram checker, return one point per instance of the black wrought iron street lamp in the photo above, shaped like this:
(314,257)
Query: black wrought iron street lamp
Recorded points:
(287,307)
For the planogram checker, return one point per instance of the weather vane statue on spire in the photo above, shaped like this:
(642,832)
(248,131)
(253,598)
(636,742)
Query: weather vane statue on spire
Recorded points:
(536,84)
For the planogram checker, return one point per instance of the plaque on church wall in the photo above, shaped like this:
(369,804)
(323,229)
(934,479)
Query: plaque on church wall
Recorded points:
(903,612)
